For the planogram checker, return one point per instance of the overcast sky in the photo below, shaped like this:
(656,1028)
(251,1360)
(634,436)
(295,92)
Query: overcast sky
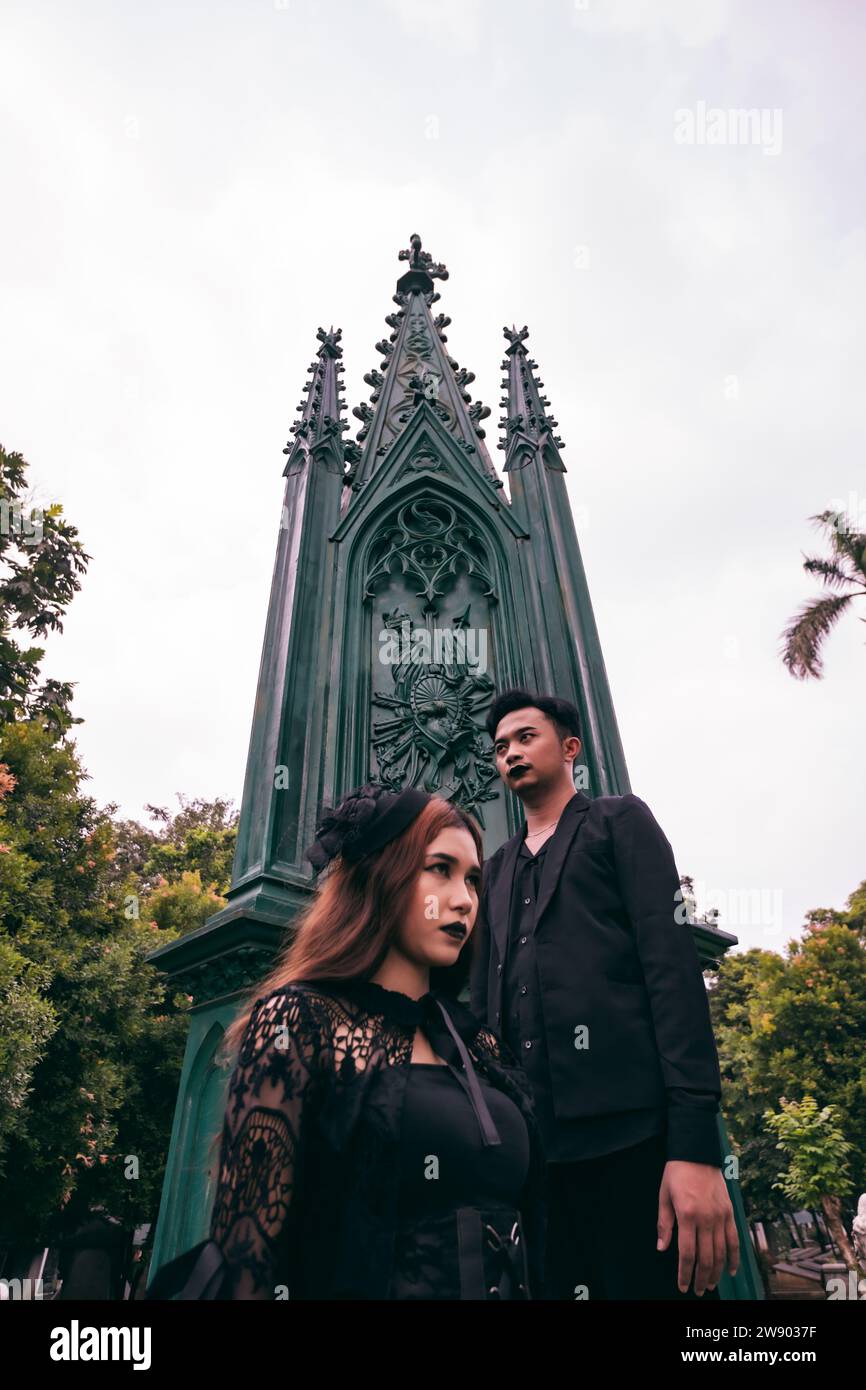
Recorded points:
(190,191)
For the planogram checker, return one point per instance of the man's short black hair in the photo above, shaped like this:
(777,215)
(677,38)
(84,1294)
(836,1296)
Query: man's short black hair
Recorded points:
(563,713)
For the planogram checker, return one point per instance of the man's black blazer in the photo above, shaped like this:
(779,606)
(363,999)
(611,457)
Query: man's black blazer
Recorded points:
(615,957)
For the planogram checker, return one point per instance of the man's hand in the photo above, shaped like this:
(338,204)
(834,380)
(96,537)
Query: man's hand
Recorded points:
(695,1195)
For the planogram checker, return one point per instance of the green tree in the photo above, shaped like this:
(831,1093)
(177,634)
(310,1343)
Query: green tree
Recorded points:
(200,838)
(739,1016)
(183,905)
(40,563)
(89,1109)
(792,1025)
(91,1038)
(817,1171)
(27,1019)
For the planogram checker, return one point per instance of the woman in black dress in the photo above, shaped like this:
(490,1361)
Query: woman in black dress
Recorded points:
(379,1142)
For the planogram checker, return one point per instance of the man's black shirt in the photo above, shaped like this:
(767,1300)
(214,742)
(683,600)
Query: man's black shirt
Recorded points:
(523,1030)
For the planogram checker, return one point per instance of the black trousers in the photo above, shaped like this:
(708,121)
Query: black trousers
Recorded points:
(601,1232)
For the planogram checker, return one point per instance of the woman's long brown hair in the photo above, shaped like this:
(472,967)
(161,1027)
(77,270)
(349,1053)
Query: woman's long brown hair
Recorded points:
(347,930)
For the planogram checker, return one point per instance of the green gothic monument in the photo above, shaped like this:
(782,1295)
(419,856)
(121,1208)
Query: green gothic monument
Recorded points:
(399,541)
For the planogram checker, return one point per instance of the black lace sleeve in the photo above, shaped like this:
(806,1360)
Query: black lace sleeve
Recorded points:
(493,1045)
(263,1143)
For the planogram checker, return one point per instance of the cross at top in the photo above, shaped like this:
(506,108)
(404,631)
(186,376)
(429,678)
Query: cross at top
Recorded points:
(422,260)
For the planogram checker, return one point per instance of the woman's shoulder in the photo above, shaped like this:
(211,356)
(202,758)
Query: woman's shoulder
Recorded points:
(295,996)
(291,1016)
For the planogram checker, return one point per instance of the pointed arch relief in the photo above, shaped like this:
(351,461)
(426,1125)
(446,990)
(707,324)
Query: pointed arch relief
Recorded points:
(431,541)
(428,582)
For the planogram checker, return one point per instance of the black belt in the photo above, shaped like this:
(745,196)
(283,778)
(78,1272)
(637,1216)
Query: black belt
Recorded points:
(491,1256)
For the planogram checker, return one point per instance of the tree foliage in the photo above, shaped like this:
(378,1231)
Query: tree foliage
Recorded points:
(41,561)
(792,1026)
(91,1034)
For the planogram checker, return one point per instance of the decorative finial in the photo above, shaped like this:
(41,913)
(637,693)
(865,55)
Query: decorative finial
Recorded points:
(514,337)
(422,269)
(422,260)
(330,343)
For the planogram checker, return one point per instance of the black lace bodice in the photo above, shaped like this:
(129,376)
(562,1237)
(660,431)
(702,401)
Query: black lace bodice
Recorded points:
(306,1200)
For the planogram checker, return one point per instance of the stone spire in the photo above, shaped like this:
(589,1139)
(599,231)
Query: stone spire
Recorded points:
(528,428)
(416,373)
(317,433)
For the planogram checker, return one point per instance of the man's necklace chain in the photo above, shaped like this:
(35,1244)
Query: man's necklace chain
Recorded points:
(532,834)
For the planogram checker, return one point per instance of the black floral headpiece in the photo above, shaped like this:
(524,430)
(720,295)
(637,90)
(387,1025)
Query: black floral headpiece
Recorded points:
(364,821)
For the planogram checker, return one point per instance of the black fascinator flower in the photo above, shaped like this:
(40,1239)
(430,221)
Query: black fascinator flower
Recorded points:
(341,829)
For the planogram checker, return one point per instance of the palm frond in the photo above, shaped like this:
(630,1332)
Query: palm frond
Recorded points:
(847,543)
(830,570)
(803,637)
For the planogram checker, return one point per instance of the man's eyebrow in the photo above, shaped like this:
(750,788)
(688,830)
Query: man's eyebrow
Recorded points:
(522,730)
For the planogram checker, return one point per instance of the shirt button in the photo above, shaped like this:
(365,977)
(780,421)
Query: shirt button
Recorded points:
(498,1015)
(527,900)
(499,969)
(527,1044)
(523,989)
(523,940)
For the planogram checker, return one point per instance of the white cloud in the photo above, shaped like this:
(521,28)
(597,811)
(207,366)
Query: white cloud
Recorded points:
(692,24)
(453,24)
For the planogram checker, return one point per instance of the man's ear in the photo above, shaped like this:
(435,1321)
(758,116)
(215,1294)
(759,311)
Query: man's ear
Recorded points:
(572,742)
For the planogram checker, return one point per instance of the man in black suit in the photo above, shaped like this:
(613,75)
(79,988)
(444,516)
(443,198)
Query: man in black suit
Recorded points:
(584,962)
